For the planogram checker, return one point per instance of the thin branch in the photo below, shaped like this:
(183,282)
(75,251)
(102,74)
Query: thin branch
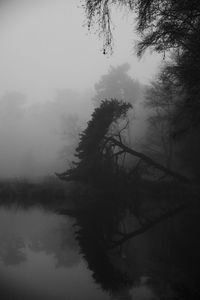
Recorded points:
(118,134)
(151,162)
(118,153)
(148,226)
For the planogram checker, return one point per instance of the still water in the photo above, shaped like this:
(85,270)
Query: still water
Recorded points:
(40,259)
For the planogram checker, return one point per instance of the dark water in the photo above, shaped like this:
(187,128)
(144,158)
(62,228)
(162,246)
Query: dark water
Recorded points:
(40,259)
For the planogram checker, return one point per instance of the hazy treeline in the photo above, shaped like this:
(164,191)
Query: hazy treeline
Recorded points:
(40,138)
(33,135)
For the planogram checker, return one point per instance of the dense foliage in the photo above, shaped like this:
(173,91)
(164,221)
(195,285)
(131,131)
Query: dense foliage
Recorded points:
(163,26)
(95,152)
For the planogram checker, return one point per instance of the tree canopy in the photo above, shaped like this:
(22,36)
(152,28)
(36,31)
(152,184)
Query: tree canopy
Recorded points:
(163,26)
(95,152)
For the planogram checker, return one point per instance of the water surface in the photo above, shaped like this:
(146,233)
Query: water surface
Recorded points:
(40,259)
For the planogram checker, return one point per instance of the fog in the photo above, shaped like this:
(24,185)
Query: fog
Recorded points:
(49,66)
(33,136)
(99,150)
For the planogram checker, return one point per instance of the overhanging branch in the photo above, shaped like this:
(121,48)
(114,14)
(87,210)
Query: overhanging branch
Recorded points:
(151,162)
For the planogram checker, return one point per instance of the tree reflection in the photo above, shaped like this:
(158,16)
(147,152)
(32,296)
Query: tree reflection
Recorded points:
(167,254)
(61,243)
(11,250)
(96,227)
(55,238)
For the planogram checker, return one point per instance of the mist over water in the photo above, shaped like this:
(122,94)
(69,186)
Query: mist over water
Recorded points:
(40,259)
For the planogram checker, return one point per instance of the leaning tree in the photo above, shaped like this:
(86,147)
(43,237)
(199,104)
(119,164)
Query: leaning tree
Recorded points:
(98,159)
(101,164)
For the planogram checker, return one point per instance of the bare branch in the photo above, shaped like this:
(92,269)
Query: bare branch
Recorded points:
(151,162)
(148,226)
(118,153)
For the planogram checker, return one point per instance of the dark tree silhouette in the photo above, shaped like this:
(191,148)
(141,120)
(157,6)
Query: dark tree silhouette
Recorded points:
(96,153)
(162,25)
(100,151)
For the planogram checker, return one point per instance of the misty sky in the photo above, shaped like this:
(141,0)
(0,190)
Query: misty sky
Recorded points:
(44,46)
(50,60)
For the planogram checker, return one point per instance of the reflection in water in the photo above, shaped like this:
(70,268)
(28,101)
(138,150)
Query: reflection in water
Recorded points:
(39,231)
(11,249)
(111,269)
(40,259)
(93,247)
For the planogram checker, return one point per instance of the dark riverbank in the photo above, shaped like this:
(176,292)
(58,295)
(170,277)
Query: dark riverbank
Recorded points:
(46,191)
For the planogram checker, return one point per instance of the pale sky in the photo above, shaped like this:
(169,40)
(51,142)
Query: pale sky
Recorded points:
(44,46)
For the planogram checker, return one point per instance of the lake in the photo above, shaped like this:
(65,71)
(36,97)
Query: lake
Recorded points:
(40,259)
